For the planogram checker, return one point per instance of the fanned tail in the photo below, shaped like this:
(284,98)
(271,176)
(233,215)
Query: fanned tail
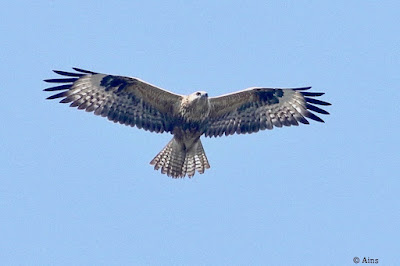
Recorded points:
(176,160)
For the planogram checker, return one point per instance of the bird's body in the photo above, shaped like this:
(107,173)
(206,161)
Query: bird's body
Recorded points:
(185,148)
(133,102)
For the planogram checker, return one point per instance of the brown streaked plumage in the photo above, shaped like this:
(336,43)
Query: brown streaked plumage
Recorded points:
(133,102)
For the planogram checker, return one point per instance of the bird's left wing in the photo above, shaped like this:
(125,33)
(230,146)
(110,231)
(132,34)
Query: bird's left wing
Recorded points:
(125,100)
(257,109)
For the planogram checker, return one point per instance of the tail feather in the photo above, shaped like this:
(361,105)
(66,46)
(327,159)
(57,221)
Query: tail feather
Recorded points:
(201,161)
(176,160)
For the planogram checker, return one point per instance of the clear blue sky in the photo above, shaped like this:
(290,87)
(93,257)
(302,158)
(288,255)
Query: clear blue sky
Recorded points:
(76,189)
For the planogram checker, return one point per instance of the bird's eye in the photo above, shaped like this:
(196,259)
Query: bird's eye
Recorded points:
(198,93)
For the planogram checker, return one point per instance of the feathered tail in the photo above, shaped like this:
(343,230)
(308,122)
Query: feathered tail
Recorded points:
(176,160)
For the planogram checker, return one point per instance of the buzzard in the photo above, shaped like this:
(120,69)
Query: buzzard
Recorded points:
(133,102)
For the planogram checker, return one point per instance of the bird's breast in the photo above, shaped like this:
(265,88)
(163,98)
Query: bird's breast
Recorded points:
(195,111)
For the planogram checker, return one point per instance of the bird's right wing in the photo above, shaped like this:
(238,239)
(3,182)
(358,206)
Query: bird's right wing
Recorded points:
(125,100)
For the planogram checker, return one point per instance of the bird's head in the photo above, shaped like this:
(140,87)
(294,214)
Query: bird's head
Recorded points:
(198,95)
(196,106)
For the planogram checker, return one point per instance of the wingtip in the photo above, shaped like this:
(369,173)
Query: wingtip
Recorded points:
(303,88)
(312,94)
(58,72)
(83,70)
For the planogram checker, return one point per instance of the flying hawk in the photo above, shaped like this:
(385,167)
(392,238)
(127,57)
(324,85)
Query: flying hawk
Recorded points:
(133,102)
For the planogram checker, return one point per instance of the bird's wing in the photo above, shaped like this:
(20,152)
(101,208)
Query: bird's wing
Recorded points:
(125,100)
(257,109)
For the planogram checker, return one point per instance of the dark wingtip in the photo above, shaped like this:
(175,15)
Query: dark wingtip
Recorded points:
(68,74)
(302,89)
(315,101)
(316,109)
(302,120)
(51,97)
(313,117)
(62,80)
(312,94)
(83,70)
(58,88)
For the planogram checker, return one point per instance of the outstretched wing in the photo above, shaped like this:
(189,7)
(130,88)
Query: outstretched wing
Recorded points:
(257,109)
(125,100)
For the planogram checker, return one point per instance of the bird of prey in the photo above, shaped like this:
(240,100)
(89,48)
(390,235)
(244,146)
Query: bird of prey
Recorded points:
(133,102)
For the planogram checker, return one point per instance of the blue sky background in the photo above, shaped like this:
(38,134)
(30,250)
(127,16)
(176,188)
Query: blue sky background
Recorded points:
(76,189)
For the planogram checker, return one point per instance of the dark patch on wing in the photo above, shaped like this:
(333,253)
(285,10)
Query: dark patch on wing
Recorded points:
(111,83)
(269,96)
(264,96)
